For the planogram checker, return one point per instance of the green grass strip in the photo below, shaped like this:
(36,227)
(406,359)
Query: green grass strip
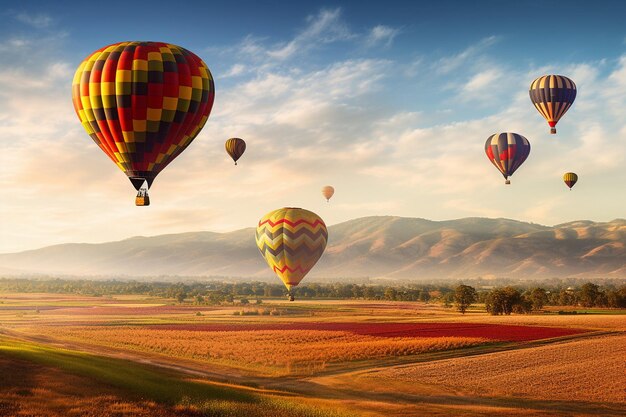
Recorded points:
(162,386)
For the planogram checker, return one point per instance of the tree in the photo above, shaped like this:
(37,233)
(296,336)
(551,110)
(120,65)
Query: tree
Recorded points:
(369,293)
(357,291)
(523,306)
(616,298)
(448,299)
(180,296)
(390,294)
(244,301)
(538,298)
(464,296)
(424,296)
(567,298)
(502,300)
(589,294)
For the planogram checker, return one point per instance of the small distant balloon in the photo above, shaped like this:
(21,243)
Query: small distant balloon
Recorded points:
(235,148)
(328,192)
(552,96)
(570,179)
(507,152)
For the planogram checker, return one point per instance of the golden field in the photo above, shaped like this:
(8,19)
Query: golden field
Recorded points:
(585,370)
(591,370)
(267,351)
(151,356)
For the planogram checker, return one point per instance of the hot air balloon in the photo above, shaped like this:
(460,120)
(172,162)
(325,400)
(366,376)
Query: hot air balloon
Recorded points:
(143,103)
(291,240)
(328,192)
(570,179)
(235,148)
(552,95)
(507,151)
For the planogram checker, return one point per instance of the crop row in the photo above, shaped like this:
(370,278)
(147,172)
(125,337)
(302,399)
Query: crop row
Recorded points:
(269,350)
(498,332)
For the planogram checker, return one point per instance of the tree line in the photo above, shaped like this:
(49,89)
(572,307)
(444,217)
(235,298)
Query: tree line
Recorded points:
(509,299)
(501,300)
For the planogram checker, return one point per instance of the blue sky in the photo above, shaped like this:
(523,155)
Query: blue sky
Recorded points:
(389,102)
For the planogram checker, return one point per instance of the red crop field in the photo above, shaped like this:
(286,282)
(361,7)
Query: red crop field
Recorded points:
(508,333)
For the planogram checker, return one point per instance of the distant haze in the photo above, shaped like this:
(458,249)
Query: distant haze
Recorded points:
(375,247)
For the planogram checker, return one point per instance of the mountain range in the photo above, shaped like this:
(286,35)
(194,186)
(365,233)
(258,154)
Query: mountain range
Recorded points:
(375,247)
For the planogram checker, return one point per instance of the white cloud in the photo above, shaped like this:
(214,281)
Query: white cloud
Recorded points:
(38,21)
(480,81)
(450,63)
(413,67)
(251,47)
(13,44)
(381,35)
(235,70)
(310,100)
(325,27)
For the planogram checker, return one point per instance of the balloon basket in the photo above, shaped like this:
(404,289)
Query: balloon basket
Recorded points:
(142,199)
(553,130)
(507,182)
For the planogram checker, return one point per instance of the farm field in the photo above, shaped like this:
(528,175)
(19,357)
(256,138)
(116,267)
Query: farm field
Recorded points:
(44,381)
(578,370)
(29,388)
(368,358)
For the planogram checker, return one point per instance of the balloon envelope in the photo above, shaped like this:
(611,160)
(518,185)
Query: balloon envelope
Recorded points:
(507,152)
(570,179)
(552,96)
(235,147)
(328,192)
(291,240)
(143,103)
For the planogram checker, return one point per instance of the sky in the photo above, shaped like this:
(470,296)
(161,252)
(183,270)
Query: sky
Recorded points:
(389,102)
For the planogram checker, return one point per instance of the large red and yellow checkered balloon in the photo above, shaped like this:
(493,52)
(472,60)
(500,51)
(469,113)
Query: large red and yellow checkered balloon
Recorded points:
(291,240)
(143,103)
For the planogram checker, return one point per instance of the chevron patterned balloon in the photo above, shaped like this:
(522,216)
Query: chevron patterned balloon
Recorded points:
(291,240)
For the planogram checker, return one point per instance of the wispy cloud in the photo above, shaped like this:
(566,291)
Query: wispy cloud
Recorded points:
(453,62)
(323,28)
(257,55)
(481,80)
(484,87)
(38,21)
(381,35)
(235,70)
(13,44)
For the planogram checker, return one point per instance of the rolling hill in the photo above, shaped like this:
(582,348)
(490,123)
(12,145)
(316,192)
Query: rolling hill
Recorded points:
(382,246)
